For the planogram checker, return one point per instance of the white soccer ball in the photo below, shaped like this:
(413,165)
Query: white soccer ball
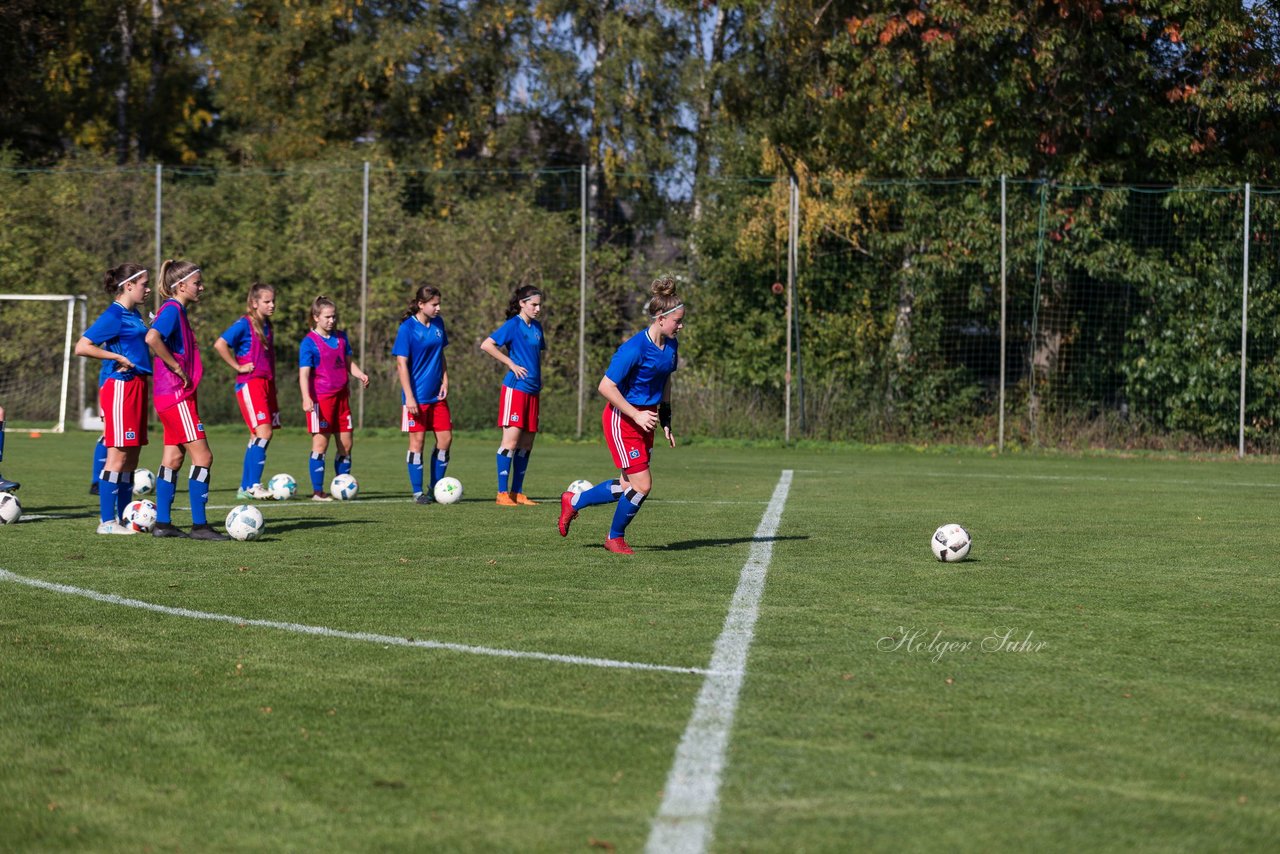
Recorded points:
(140,515)
(10,508)
(245,522)
(950,543)
(580,486)
(448,490)
(282,486)
(144,482)
(344,487)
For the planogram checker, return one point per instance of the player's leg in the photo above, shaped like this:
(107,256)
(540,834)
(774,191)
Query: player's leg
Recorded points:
(346,429)
(440,457)
(629,503)
(315,466)
(505,461)
(413,463)
(198,484)
(171,459)
(256,409)
(5,485)
(99,463)
(521,465)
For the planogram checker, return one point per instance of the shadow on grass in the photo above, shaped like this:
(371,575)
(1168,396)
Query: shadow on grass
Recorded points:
(304,524)
(685,545)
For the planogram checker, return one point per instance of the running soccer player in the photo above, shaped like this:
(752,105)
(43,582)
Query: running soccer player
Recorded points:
(637,387)
(424,384)
(119,338)
(248,346)
(518,400)
(178,371)
(5,485)
(324,363)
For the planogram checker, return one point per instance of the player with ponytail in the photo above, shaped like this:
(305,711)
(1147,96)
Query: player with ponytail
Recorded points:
(518,400)
(178,370)
(118,338)
(636,388)
(325,361)
(424,384)
(248,346)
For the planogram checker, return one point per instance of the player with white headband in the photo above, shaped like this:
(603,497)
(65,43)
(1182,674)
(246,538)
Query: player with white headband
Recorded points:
(118,338)
(177,377)
(637,387)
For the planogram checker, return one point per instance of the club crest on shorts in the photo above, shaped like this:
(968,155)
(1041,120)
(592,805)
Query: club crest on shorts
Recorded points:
(262,416)
(130,435)
(515,419)
(324,423)
(200,426)
(634,453)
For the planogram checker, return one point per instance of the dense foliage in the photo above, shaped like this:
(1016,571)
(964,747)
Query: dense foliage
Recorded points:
(895,120)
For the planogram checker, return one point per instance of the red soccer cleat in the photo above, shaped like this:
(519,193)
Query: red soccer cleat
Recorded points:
(618,546)
(567,513)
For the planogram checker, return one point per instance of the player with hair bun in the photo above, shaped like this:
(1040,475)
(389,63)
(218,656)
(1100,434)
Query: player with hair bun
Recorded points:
(424,384)
(119,338)
(325,362)
(518,400)
(178,371)
(248,346)
(637,387)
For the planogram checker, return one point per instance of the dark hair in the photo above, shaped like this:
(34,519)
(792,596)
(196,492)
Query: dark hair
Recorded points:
(172,272)
(522,293)
(422,294)
(319,303)
(113,280)
(664,297)
(255,290)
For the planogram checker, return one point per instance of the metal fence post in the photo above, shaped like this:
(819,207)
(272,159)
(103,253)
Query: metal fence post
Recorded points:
(364,287)
(582,293)
(155,271)
(1244,315)
(1004,276)
(791,289)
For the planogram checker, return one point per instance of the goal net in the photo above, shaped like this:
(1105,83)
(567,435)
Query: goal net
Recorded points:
(39,389)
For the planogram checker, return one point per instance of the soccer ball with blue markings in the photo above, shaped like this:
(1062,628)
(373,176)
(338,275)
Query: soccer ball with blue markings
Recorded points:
(580,486)
(951,543)
(140,515)
(282,486)
(245,522)
(344,487)
(144,482)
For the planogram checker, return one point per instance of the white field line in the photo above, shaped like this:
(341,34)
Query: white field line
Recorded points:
(1063,478)
(366,637)
(686,817)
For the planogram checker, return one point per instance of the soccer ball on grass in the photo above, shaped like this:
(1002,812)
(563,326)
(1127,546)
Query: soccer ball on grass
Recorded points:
(10,508)
(448,490)
(344,487)
(282,486)
(245,522)
(140,515)
(950,543)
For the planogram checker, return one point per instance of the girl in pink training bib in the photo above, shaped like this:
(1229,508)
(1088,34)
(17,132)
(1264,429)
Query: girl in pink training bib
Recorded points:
(325,361)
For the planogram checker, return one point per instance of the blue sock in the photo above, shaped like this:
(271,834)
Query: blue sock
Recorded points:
(125,496)
(166,489)
(342,465)
(601,493)
(99,459)
(108,492)
(255,462)
(504,468)
(627,509)
(316,466)
(104,456)
(198,484)
(521,464)
(414,461)
(439,463)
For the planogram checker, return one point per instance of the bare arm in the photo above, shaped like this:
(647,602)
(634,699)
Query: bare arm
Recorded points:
(157,345)
(490,347)
(644,419)
(406,384)
(355,371)
(223,349)
(304,380)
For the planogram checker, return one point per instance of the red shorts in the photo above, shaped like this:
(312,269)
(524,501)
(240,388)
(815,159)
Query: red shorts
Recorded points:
(181,423)
(518,409)
(433,416)
(257,399)
(331,414)
(630,446)
(124,412)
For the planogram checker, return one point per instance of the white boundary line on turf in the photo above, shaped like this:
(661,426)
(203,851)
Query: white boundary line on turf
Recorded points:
(686,817)
(386,640)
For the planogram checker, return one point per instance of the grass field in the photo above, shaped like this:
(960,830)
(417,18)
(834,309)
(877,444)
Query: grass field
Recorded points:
(1100,675)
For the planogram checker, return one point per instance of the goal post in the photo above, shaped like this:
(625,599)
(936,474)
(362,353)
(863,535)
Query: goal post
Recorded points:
(37,337)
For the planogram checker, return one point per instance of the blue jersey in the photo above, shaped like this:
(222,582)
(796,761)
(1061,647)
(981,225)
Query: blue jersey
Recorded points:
(640,369)
(121,331)
(524,343)
(423,345)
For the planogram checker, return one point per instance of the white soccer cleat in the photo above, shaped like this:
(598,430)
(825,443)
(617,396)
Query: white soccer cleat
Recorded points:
(114,527)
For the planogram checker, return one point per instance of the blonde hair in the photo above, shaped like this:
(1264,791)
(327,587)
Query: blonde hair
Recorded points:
(256,290)
(664,297)
(171,273)
(319,303)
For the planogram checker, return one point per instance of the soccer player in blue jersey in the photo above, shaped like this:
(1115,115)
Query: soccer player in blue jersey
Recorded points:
(518,401)
(119,338)
(248,346)
(636,388)
(424,385)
